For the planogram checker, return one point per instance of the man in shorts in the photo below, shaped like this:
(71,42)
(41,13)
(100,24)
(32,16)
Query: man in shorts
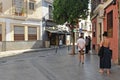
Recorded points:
(81,46)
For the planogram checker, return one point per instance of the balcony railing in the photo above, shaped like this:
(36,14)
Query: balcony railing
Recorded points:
(105,0)
(22,12)
(19,7)
(95,3)
(50,1)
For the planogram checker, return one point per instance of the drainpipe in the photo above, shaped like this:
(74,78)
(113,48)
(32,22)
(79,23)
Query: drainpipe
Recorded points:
(119,32)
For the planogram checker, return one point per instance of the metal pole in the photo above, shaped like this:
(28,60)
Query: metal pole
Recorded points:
(56,49)
(68,48)
(57,46)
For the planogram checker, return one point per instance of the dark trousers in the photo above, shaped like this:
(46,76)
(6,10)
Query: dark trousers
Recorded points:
(86,49)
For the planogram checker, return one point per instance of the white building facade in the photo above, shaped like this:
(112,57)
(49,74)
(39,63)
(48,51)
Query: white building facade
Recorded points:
(21,23)
(85,25)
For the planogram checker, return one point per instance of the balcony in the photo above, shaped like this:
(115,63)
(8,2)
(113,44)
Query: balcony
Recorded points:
(19,13)
(105,0)
(49,1)
(95,3)
(19,9)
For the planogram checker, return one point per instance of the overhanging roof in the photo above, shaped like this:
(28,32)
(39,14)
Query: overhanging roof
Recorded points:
(58,32)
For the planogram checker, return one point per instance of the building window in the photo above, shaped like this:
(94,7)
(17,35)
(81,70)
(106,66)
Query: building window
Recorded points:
(19,7)
(18,33)
(50,12)
(85,25)
(90,27)
(0,33)
(32,33)
(32,5)
(1,7)
(82,25)
(110,24)
(94,29)
(114,2)
(100,34)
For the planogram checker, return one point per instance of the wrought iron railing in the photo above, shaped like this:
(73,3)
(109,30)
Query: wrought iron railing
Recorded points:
(95,3)
(19,7)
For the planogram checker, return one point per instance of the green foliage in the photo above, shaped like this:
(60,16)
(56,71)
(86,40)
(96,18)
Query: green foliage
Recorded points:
(69,10)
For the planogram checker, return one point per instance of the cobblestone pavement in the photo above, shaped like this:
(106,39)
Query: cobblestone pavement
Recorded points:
(55,66)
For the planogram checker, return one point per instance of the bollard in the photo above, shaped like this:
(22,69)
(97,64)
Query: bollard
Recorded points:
(68,47)
(56,49)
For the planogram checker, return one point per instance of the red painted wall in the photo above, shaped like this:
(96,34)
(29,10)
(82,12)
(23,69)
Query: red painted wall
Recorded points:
(94,28)
(114,39)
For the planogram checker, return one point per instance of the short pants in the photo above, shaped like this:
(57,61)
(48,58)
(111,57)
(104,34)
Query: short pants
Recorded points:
(81,52)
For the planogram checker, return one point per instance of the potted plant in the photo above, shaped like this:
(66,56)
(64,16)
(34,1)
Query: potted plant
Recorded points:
(23,11)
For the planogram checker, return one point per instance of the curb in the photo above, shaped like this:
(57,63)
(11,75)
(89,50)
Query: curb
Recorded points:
(16,52)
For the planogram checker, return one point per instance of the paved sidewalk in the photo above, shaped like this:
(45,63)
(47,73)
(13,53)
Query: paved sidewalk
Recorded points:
(60,66)
(16,52)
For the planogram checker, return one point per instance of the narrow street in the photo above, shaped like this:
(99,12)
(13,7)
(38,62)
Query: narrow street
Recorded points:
(49,65)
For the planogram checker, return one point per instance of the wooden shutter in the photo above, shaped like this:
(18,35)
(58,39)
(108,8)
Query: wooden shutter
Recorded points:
(110,23)
(32,33)
(18,33)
